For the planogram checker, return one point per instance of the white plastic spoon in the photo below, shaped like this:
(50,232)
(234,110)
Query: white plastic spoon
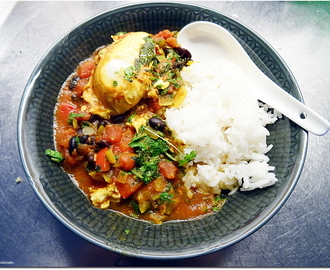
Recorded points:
(208,41)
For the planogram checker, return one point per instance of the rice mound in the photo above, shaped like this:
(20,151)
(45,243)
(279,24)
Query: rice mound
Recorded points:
(225,124)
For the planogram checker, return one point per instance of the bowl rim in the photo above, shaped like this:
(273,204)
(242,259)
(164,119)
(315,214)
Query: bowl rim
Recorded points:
(38,189)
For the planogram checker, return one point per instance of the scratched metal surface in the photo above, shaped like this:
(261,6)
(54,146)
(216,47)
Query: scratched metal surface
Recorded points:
(297,236)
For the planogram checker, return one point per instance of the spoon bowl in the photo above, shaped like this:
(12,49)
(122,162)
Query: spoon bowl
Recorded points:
(208,41)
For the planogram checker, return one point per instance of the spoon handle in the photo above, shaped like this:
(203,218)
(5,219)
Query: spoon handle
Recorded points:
(295,110)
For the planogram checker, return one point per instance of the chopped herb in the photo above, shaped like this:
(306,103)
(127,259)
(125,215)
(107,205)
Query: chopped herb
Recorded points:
(173,54)
(168,187)
(215,208)
(165,197)
(74,115)
(147,51)
(219,198)
(121,33)
(149,147)
(129,119)
(135,207)
(149,170)
(147,159)
(170,74)
(85,124)
(115,83)
(175,83)
(55,156)
(129,73)
(187,158)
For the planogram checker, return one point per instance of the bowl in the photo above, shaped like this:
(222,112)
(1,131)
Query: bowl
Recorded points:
(243,214)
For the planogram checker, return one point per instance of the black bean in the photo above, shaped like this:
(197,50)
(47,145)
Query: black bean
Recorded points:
(103,143)
(73,82)
(95,119)
(90,160)
(92,118)
(116,119)
(157,123)
(84,139)
(184,53)
(72,144)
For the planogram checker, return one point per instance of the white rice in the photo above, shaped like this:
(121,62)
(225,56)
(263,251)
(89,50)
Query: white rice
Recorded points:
(222,121)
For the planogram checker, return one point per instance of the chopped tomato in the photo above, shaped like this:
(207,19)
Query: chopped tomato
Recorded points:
(164,34)
(85,69)
(128,188)
(172,42)
(112,133)
(126,138)
(101,160)
(168,169)
(85,116)
(65,109)
(126,161)
(153,104)
(79,89)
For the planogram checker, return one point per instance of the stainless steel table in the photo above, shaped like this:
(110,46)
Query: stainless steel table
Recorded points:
(298,235)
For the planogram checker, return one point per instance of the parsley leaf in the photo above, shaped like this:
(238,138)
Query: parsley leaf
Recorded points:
(74,115)
(148,171)
(55,156)
(165,197)
(147,51)
(129,73)
(187,158)
(147,159)
(120,33)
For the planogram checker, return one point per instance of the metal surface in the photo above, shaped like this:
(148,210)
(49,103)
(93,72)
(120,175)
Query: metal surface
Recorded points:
(297,236)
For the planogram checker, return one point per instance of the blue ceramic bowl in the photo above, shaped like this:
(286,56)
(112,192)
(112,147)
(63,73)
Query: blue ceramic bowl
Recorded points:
(243,213)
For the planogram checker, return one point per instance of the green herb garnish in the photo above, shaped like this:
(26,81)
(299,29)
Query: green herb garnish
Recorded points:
(147,51)
(215,208)
(165,197)
(135,207)
(175,82)
(187,158)
(74,115)
(129,73)
(55,156)
(129,119)
(147,159)
(121,33)
(148,171)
